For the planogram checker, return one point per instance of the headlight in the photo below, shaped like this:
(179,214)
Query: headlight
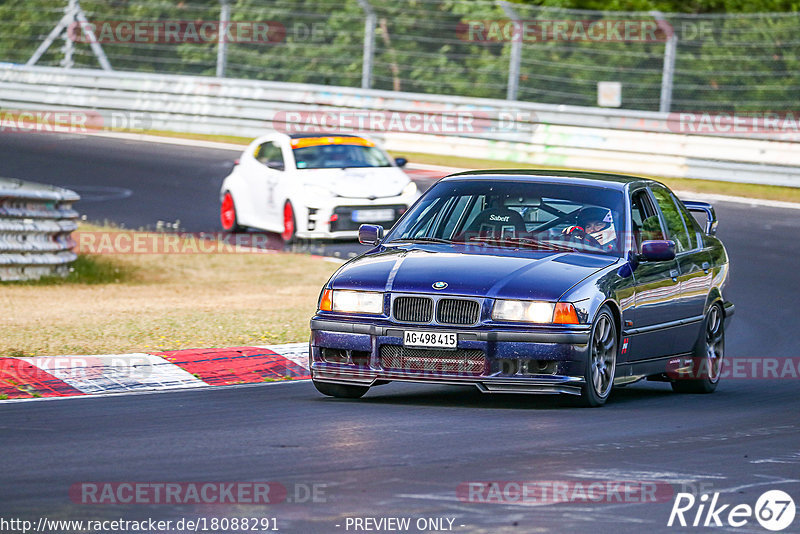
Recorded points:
(527,311)
(410,189)
(345,301)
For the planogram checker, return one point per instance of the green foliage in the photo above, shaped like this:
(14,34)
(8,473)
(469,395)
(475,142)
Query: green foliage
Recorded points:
(724,61)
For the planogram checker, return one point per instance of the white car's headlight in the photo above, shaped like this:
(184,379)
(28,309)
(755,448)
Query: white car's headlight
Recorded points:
(346,301)
(532,311)
(410,189)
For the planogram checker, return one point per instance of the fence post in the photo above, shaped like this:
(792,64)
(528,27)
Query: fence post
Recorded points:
(222,43)
(69,45)
(516,51)
(668,70)
(369,44)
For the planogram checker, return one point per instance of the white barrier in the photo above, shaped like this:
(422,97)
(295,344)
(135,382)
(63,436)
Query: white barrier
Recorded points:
(564,136)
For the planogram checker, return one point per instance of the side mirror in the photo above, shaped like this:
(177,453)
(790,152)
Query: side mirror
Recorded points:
(697,206)
(277,165)
(660,250)
(370,234)
(401,162)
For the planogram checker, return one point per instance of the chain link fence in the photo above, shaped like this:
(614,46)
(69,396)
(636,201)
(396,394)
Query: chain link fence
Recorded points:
(741,63)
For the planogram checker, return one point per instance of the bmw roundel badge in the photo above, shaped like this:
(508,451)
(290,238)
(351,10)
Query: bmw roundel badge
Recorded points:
(439,285)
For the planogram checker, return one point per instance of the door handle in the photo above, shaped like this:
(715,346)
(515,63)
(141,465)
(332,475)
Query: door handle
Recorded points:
(674,274)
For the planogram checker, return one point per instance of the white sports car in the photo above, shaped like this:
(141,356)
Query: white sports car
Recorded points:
(314,186)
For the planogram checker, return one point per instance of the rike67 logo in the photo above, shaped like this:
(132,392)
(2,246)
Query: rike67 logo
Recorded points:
(774,510)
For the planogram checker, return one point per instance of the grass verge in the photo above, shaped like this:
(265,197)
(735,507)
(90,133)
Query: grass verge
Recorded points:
(152,302)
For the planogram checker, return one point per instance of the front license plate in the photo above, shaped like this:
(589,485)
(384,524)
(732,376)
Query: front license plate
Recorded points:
(430,340)
(373,215)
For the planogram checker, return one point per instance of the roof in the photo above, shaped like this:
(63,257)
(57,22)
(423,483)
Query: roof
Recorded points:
(615,181)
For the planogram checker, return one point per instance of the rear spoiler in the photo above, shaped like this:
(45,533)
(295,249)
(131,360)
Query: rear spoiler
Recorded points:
(704,207)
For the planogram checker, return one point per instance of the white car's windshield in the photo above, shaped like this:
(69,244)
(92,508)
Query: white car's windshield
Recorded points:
(339,156)
(559,217)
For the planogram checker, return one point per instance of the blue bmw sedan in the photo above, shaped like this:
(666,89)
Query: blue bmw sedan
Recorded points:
(530,281)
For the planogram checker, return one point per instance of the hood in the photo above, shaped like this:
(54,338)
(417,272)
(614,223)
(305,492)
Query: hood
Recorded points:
(358,182)
(531,275)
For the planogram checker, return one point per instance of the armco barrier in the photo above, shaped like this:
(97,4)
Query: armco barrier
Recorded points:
(568,136)
(36,222)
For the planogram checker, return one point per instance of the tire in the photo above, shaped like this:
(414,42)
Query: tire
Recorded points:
(709,353)
(289,223)
(227,214)
(601,360)
(340,391)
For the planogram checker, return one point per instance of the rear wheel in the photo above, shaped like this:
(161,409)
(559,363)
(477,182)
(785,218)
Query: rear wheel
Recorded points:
(708,355)
(341,391)
(227,214)
(289,223)
(601,360)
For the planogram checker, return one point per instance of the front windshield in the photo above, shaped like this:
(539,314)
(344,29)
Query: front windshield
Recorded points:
(337,156)
(543,216)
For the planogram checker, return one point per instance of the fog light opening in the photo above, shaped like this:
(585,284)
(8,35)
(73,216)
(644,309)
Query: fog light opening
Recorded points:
(542,367)
(334,355)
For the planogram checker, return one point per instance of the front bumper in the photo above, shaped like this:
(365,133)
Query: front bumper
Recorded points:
(333,218)
(544,360)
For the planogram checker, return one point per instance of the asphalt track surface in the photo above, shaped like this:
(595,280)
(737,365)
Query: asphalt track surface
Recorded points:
(403,450)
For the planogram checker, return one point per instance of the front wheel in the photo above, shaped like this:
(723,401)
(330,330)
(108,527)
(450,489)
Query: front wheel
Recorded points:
(708,356)
(601,360)
(341,391)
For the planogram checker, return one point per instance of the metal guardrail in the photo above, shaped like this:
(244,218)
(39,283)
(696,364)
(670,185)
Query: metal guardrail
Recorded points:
(36,222)
(568,136)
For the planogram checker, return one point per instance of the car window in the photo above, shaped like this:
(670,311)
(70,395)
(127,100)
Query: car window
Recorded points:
(518,214)
(695,232)
(673,218)
(269,152)
(644,220)
(337,156)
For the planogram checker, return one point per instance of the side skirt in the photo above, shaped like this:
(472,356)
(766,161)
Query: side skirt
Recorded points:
(652,369)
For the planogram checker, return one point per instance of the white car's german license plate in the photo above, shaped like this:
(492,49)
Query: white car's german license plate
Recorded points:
(430,340)
(381,215)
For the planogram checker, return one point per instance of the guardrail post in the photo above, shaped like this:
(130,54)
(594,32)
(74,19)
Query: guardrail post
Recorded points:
(516,52)
(668,70)
(369,44)
(222,43)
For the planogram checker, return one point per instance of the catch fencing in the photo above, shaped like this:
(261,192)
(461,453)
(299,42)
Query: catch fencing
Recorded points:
(476,48)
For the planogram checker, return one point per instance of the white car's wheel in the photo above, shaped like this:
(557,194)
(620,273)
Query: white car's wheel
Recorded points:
(227,214)
(289,223)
